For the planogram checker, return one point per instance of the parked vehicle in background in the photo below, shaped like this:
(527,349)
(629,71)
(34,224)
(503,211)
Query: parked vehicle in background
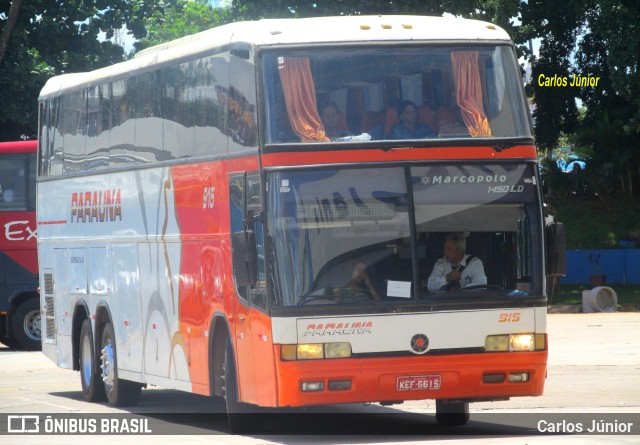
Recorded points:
(567,160)
(19,301)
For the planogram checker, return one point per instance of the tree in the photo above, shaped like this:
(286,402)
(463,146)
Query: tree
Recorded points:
(182,18)
(255,9)
(600,39)
(610,50)
(12,18)
(557,25)
(52,37)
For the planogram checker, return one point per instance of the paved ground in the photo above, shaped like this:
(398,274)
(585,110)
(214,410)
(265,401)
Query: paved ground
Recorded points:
(594,367)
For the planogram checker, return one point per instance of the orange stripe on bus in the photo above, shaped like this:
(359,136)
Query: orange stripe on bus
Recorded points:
(398,154)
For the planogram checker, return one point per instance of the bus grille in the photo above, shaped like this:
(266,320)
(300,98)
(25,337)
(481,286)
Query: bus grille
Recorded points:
(48,284)
(50,312)
(51,319)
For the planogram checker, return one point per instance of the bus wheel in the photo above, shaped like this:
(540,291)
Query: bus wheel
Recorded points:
(242,417)
(26,325)
(452,413)
(92,387)
(119,392)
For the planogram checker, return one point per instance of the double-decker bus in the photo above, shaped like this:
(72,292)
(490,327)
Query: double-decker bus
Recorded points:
(19,301)
(199,229)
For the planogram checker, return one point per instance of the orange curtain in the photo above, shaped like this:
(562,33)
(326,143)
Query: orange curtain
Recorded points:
(300,97)
(469,92)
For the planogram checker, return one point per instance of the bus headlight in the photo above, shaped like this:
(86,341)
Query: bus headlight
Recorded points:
(496,343)
(314,351)
(310,351)
(337,350)
(514,342)
(522,342)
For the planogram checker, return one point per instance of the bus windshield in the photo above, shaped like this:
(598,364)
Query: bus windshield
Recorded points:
(393,93)
(344,236)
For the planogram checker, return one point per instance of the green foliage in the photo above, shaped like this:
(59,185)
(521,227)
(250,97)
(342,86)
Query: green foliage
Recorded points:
(180,19)
(614,153)
(55,37)
(557,183)
(63,35)
(601,39)
(550,123)
(611,125)
(593,223)
(255,9)
(556,110)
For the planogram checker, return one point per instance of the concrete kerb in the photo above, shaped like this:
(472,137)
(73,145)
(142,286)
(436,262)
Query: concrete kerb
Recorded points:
(577,308)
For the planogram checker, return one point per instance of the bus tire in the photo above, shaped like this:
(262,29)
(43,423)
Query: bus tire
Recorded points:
(92,387)
(241,417)
(119,392)
(452,413)
(25,325)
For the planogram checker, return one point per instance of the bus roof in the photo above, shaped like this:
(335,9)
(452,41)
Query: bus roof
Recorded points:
(269,32)
(19,147)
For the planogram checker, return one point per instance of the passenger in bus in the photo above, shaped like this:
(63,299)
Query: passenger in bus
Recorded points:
(7,195)
(360,285)
(409,127)
(456,269)
(6,187)
(332,120)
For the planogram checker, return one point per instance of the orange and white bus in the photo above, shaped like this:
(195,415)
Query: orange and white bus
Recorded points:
(201,227)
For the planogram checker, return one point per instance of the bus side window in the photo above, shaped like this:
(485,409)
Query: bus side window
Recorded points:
(43,142)
(211,81)
(74,111)
(257,293)
(31,181)
(98,113)
(13,177)
(237,206)
(121,134)
(246,204)
(241,101)
(149,148)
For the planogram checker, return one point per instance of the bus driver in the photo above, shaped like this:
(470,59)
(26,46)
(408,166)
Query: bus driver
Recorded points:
(456,269)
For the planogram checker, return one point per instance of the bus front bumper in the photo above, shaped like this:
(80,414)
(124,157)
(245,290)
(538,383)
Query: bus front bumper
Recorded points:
(480,376)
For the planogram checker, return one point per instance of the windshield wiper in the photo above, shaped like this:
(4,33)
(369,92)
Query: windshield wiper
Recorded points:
(481,286)
(304,299)
(501,146)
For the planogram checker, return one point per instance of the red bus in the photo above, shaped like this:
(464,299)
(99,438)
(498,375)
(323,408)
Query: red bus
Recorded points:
(19,301)
(202,228)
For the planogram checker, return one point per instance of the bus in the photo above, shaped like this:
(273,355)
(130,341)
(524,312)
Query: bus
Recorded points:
(199,229)
(19,300)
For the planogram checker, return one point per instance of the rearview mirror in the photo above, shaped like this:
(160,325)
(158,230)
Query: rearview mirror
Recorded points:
(556,249)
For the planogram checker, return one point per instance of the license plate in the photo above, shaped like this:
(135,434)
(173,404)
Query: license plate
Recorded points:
(418,382)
